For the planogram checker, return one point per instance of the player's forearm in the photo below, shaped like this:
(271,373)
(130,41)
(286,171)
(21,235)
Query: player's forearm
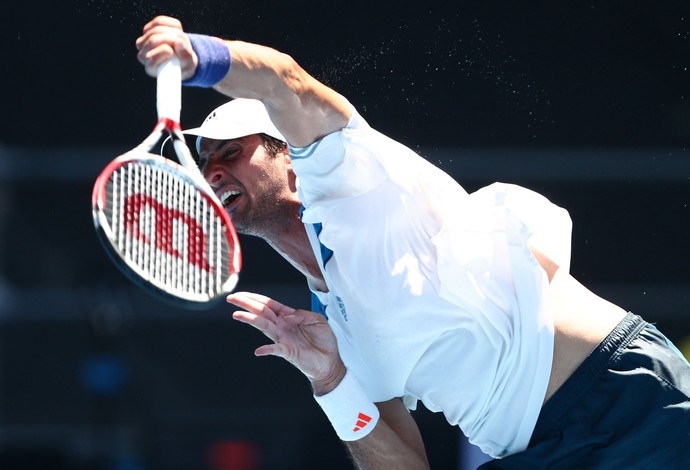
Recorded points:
(385,434)
(301,107)
(383,448)
(263,73)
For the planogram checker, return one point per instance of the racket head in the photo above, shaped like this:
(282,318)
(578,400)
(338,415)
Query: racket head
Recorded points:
(165,231)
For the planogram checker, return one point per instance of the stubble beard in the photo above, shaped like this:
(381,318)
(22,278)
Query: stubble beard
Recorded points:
(267,220)
(271,209)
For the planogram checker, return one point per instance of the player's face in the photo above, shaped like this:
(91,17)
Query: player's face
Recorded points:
(251,184)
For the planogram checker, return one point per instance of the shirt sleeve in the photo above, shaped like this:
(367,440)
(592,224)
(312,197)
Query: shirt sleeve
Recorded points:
(344,164)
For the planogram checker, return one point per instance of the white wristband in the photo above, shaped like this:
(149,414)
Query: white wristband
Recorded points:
(352,414)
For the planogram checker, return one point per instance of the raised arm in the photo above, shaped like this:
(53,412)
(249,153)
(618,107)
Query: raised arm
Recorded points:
(301,107)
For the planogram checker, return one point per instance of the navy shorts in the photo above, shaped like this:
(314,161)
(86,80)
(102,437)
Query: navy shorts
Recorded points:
(626,407)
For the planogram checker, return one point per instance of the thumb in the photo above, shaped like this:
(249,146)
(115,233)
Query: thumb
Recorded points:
(188,58)
(278,350)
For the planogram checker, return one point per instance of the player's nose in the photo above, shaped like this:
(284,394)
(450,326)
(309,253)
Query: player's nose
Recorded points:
(213,173)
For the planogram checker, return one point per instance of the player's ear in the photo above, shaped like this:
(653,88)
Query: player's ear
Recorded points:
(288,160)
(292,178)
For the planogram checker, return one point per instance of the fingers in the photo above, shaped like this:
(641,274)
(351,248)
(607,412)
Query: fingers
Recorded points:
(272,350)
(258,303)
(272,309)
(303,317)
(262,313)
(264,325)
(153,58)
(161,39)
(163,20)
(269,329)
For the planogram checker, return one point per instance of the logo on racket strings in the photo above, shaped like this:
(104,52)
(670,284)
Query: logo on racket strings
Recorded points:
(166,230)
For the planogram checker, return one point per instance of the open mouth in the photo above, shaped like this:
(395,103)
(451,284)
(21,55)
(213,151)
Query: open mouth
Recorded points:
(228,197)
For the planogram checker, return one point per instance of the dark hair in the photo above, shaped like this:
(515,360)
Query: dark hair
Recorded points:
(273,145)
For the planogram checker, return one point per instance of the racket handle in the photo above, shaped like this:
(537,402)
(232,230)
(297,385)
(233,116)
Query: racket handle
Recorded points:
(169,90)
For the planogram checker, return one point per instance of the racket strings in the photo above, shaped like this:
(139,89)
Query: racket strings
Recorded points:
(164,226)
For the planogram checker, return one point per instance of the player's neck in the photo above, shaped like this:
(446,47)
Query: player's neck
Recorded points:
(294,246)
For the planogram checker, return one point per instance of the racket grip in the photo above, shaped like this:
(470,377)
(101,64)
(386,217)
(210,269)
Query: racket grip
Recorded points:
(169,90)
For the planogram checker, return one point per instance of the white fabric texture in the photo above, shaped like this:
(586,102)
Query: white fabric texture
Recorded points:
(351,413)
(433,292)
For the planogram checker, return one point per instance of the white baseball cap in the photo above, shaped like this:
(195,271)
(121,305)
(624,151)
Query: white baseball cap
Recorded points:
(234,119)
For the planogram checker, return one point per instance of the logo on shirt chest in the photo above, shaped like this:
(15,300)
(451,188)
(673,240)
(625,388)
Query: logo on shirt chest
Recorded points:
(341,307)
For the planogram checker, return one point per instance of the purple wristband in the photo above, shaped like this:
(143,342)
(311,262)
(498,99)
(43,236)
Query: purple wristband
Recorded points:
(214,60)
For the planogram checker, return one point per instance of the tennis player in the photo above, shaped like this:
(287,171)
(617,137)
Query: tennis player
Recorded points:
(422,291)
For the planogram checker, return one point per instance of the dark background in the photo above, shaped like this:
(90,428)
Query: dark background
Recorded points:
(586,102)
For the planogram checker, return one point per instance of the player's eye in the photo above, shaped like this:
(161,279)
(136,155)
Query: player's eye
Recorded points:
(231,152)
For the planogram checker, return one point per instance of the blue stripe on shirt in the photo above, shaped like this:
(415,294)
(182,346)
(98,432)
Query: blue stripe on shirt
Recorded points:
(317,306)
(326,252)
(297,153)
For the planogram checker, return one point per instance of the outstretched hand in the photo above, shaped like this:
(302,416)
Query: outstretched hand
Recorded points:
(301,337)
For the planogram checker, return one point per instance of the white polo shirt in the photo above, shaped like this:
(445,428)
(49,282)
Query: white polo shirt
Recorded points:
(433,293)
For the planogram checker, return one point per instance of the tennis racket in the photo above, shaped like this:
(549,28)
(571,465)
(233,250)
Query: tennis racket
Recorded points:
(160,221)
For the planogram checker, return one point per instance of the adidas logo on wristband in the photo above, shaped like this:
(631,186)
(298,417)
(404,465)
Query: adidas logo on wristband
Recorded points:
(340,404)
(362,421)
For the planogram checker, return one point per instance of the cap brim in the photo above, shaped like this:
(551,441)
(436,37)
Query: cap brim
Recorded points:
(238,118)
